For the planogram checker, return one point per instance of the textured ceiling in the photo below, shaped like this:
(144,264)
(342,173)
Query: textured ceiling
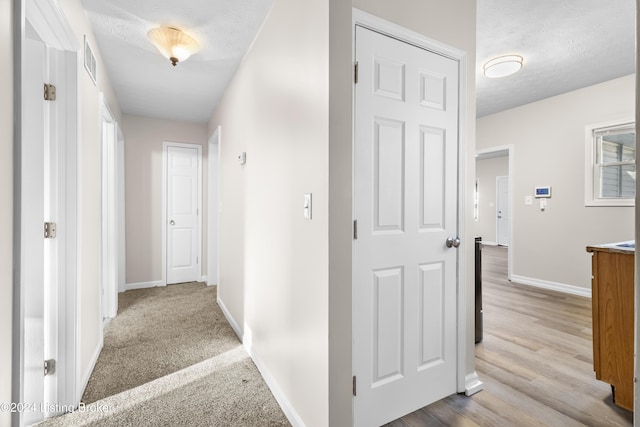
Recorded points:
(144,81)
(566,45)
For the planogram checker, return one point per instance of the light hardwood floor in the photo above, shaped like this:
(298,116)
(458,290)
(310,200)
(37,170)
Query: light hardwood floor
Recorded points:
(535,362)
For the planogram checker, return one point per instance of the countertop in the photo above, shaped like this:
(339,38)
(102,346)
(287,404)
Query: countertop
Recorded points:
(627,247)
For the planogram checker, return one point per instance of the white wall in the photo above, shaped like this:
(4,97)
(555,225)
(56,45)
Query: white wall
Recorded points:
(90,193)
(143,182)
(285,281)
(549,142)
(486,171)
(273,262)
(6,204)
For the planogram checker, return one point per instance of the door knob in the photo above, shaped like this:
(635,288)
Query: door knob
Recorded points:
(452,242)
(172,222)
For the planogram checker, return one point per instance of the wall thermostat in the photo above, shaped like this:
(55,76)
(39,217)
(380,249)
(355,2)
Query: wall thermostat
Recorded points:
(543,192)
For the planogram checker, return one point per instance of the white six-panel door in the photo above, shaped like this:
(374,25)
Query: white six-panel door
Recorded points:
(406,168)
(502,208)
(182,214)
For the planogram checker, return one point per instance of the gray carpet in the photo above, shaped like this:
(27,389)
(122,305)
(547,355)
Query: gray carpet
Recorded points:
(171,359)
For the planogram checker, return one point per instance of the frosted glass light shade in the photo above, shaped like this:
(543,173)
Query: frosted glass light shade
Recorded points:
(173,43)
(502,66)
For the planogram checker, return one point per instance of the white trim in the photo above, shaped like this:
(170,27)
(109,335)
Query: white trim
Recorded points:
(379,25)
(227,314)
(198,148)
(487,243)
(281,397)
(68,249)
(48,20)
(466,336)
(554,286)
(213,190)
(143,285)
(78,387)
(109,184)
(590,158)
(510,151)
(472,384)
(92,365)
(398,32)
(203,279)
(121,231)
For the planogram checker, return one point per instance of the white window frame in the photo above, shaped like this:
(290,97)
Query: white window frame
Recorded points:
(590,196)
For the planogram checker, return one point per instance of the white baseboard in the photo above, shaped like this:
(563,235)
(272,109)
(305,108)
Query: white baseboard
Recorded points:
(472,384)
(203,279)
(246,338)
(92,366)
(282,400)
(230,319)
(143,285)
(554,286)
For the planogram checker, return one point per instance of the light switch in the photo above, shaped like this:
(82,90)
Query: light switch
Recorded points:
(307,205)
(242,158)
(528,200)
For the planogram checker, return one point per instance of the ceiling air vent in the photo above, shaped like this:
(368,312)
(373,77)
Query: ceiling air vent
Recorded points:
(89,60)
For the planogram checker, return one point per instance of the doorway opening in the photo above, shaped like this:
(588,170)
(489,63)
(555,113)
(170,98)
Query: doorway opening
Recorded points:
(45,350)
(112,202)
(494,220)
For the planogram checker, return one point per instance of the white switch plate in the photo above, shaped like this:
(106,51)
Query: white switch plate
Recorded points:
(307,205)
(528,200)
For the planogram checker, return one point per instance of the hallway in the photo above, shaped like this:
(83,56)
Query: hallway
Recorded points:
(171,358)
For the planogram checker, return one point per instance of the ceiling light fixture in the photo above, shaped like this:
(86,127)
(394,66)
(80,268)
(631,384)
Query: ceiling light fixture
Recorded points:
(502,66)
(173,43)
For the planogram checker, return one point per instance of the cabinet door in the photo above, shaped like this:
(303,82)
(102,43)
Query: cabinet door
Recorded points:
(614,324)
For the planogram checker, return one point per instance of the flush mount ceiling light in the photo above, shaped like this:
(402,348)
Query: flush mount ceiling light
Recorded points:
(173,43)
(502,66)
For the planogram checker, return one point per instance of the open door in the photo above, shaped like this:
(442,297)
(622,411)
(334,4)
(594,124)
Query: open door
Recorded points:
(405,256)
(47,187)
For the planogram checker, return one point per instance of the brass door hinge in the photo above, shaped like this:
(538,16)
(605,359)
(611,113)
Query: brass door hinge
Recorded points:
(49,92)
(49,230)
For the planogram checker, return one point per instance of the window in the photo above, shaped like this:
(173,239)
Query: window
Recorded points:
(611,164)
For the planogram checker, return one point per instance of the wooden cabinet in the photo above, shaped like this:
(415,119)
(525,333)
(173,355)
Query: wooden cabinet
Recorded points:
(612,304)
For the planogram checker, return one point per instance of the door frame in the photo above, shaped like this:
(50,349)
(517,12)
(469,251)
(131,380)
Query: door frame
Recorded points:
(110,206)
(52,26)
(165,175)
(465,383)
(121,218)
(213,195)
(508,150)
